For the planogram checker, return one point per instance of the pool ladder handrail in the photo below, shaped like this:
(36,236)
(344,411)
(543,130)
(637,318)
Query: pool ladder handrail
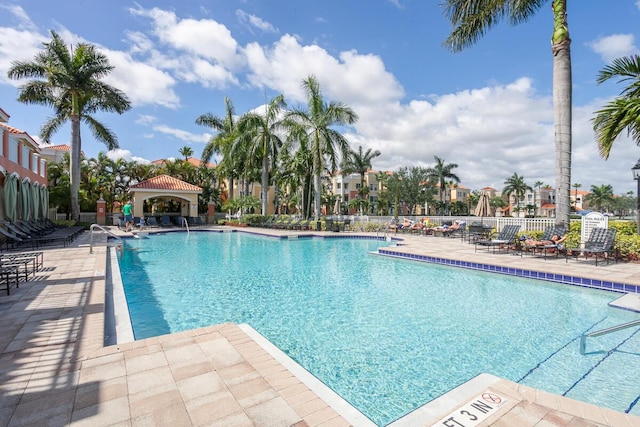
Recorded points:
(186,224)
(583,338)
(93,227)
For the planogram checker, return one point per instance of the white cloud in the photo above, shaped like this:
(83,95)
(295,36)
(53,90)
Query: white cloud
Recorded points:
(146,119)
(614,46)
(353,78)
(204,37)
(143,83)
(24,40)
(183,135)
(126,155)
(254,21)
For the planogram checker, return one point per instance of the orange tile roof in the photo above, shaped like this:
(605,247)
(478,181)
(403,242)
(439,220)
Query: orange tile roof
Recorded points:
(166,182)
(63,147)
(17,131)
(548,206)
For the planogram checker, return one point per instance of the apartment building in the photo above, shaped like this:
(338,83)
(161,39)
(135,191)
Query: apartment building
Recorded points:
(23,174)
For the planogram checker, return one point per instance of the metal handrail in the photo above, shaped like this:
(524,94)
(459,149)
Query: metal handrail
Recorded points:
(94,226)
(186,224)
(583,338)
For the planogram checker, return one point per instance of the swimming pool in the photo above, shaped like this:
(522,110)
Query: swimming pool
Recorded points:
(387,335)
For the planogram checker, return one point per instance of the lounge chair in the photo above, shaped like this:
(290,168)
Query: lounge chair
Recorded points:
(151,221)
(165,221)
(546,243)
(458,228)
(599,244)
(503,240)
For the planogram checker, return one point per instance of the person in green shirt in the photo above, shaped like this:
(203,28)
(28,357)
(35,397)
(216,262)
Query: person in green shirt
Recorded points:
(127,211)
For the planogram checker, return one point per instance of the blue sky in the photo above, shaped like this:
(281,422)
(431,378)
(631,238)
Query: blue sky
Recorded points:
(488,109)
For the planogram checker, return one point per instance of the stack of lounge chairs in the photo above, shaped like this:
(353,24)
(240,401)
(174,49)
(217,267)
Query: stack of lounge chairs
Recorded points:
(35,234)
(17,266)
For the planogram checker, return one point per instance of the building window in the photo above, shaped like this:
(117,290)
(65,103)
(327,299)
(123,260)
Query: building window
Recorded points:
(13,150)
(338,185)
(43,168)
(1,143)
(357,186)
(26,153)
(346,185)
(34,164)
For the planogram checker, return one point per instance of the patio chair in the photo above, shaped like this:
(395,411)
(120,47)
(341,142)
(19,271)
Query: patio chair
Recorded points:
(459,228)
(151,221)
(503,240)
(547,237)
(165,221)
(599,244)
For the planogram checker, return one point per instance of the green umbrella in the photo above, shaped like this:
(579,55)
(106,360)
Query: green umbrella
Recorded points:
(10,197)
(25,197)
(35,200)
(44,201)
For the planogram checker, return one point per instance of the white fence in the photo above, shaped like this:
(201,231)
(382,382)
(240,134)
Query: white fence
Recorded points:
(526,224)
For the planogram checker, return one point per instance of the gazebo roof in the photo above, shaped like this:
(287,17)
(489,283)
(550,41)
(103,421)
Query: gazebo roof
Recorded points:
(166,183)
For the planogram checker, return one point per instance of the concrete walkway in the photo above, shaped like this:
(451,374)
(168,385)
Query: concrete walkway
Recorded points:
(55,369)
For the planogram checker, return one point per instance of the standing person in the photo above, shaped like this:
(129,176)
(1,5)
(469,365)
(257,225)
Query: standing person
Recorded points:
(128,215)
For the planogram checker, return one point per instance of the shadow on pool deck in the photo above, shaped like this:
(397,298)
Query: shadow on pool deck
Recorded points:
(55,369)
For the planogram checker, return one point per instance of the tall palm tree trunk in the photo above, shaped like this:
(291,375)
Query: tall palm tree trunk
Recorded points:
(74,166)
(562,102)
(265,183)
(317,168)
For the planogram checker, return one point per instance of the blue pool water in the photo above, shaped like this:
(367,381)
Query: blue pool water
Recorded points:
(387,335)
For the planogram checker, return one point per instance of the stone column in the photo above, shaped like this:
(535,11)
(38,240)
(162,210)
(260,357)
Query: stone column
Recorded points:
(101,209)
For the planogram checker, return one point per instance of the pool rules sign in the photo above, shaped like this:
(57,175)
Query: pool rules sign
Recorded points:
(474,412)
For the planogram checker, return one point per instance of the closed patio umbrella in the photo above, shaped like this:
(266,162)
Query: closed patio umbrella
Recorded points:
(484,206)
(10,197)
(25,197)
(336,207)
(35,201)
(44,202)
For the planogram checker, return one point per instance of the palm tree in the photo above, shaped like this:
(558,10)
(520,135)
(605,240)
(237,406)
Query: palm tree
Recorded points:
(314,124)
(222,142)
(68,80)
(471,19)
(600,196)
(440,173)
(516,186)
(360,163)
(623,112)
(259,137)
(187,152)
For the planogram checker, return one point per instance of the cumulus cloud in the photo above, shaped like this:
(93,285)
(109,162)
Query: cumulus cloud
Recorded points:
(614,46)
(23,38)
(350,78)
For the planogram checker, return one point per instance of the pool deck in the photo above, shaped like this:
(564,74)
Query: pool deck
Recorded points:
(55,369)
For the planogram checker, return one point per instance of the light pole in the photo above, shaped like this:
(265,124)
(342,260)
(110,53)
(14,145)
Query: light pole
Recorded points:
(636,175)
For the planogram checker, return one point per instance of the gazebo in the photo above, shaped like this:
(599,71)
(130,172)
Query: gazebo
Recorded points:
(165,186)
